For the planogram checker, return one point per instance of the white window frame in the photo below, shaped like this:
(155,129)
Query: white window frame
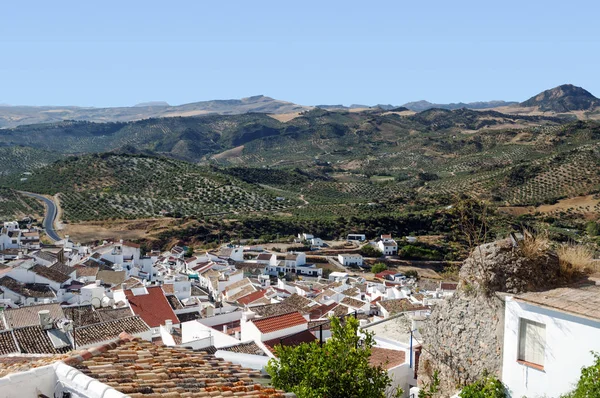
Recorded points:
(531,347)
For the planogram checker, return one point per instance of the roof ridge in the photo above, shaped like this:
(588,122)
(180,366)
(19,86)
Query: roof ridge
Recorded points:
(86,354)
(275,316)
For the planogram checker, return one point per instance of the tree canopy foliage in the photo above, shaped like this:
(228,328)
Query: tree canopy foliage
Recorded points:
(338,369)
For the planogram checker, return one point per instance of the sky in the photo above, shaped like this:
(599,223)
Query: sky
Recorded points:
(119,53)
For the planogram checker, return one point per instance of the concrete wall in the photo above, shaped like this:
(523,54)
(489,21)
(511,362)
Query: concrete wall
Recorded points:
(569,340)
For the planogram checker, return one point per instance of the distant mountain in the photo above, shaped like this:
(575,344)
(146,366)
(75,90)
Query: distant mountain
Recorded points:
(152,103)
(562,99)
(419,106)
(13,116)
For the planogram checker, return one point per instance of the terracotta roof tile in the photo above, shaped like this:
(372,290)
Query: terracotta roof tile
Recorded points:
(28,316)
(109,314)
(36,290)
(111,277)
(49,273)
(82,315)
(152,307)
(386,358)
(86,271)
(278,322)
(8,345)
(395,306)
(245,348)
(35,340)
(290,341)
(249,298)
(174,302)
(110,330)
(138,368)
(354,303)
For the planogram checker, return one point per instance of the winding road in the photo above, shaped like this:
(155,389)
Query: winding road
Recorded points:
(50,216)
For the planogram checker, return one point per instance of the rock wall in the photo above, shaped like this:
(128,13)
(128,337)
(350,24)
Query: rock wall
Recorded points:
(463,337)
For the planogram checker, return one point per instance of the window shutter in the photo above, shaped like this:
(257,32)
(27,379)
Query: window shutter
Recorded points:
(532,341)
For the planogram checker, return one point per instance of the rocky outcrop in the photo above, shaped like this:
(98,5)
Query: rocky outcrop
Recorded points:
(463,337)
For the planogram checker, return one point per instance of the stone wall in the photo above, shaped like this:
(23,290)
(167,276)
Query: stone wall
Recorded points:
(463,337)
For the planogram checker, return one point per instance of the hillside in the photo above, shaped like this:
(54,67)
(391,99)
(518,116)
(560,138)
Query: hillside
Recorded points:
(15,206)
(561,99)
(13,116)
(124,186)
(419,106)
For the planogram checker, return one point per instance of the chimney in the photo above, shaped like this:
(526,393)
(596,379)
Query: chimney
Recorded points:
(121,241)
(210,311)
(225,329)
(98,282)
(45,320)
(20,254)
(247,315)
(169,325)
(237,334)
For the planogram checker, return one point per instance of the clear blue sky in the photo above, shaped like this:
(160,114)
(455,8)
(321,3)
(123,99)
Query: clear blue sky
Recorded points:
(115,53)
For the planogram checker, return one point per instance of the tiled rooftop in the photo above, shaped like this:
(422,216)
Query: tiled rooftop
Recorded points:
(278,322)
(395,306)
(174,302)
(82,315)
(386,358)
(583,301)
(110,330)
(139,368)
(291,341)
(49,273)
(131,282)
(86,271)
(62,268)
(249,298)
(7,343)
(245,348)
(354,303)
(109,314)
(152,307)
(35,340)
(28,316)
(36,290)
(111,277)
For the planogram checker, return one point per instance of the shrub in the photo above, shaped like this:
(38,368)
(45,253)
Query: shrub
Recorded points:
(370,251)
(412,274)
(487,387)
(589,382)
(377,268)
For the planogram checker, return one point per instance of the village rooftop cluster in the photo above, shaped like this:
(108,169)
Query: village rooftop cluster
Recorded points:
(75,317)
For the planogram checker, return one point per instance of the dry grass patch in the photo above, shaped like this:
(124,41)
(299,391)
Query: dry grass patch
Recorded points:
(534,246)
(576,259)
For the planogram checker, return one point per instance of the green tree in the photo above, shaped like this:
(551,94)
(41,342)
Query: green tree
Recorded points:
(593,228)
(189,252)
(338,369)
(589,382)
(370,251)
(377,268)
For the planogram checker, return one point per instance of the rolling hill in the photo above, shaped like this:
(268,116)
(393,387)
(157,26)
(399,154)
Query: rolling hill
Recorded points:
(108,186)
(13,116)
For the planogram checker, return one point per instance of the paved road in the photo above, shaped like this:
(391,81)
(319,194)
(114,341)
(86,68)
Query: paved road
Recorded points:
(49,217)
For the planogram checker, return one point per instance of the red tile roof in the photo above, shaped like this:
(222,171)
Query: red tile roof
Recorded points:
(153,307)
(386,358)
(249,298)
(449,285)
(278,322)
(383,274)
(290,341)
(322,311)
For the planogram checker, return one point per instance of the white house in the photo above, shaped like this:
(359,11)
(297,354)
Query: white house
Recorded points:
(349,260)
(305,236)
(548,338)
(317,242)
(356,237)
(387,245)
(272,327)
(293,259)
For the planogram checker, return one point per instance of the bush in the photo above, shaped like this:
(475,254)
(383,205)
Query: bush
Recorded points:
(575,259)
(379,267)
(370,251)
(487,387)
(412,274)
(589,382)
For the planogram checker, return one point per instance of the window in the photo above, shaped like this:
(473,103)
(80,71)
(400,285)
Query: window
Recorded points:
(532,342)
